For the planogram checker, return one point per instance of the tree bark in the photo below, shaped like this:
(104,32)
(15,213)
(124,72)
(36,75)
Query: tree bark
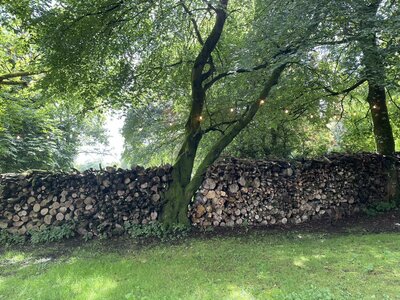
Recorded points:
(382,128)
(176,199)
(375,74)
(373,61)
(184,185)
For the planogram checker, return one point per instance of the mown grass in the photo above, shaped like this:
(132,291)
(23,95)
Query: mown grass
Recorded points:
(255,266)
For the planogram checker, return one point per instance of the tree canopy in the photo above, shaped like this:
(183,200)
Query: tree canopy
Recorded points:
(199,79)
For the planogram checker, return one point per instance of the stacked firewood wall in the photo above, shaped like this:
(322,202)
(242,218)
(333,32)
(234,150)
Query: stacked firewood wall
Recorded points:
(95,201)
(234,193)
(237,192)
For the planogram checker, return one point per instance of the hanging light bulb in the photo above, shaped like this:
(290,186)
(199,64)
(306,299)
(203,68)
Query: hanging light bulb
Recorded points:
(262,101)
(201,118)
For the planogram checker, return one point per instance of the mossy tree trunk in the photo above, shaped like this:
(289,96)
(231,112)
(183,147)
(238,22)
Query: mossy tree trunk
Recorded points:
(184,184)
(176,198)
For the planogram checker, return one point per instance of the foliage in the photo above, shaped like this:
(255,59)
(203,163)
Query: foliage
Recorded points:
(151,136)
(39,129)
(42,137)
(7,238)
(52,234)
(380,207)
(194,74)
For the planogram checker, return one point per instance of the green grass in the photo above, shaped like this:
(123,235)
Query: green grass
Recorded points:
(256,266)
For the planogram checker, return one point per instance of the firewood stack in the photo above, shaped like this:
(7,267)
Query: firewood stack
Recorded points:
(243,192)
(234,192)
(96,201)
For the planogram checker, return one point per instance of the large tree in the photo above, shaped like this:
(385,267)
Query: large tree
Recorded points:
(216,62)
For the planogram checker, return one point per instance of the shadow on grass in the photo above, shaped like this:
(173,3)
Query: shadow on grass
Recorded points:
(252,267)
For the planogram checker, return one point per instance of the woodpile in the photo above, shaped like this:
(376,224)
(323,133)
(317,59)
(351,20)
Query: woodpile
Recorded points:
(243,192)
(234,192)
(95,201)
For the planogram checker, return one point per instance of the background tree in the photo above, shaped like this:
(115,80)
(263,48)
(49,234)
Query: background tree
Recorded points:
(38,128)
(357,46)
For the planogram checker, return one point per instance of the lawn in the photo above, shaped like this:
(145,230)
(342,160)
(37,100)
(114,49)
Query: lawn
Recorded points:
(258,265)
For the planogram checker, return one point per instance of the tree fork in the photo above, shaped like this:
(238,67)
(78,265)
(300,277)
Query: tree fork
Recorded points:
(182,189)
(176,198)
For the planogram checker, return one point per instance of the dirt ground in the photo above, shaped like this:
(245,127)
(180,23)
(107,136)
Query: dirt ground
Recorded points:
(359,224)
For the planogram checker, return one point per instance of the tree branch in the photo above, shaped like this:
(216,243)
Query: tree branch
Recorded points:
(4,79)
(248,70)
(18,74)
(345,91)
(202,59)
(215,127)
(195,26)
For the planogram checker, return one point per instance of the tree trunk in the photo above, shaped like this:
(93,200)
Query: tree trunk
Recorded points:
(373,61)
(183,186)
(177,197)
(382,128)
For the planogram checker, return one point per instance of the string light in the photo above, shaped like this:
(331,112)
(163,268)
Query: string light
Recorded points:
(262,101)
(48,137)
(140,129)
(312,116)
(374,107)
(286,111)
(201,118)
(354,114)
(170,124)
(18,137)
(232,110)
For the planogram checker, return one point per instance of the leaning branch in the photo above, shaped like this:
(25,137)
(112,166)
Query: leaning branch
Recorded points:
(227,138)
(193,20)
(248,70)
(345,91)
